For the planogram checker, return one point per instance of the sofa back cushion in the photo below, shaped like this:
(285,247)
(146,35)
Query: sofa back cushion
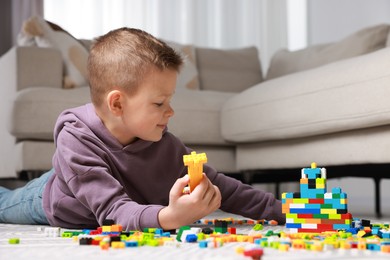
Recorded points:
(38,31)
(188,77)
(364,41)
(228,70)
(342,96)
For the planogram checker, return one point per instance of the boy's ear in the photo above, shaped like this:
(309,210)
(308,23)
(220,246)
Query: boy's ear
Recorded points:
(114,102)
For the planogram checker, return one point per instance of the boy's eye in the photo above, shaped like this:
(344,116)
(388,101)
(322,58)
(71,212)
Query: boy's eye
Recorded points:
(159,104)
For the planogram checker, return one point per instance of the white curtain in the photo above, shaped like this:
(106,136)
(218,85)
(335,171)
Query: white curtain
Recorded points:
(207,23)
(22,10)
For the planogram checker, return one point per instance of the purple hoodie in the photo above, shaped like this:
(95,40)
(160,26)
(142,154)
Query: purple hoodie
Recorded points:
(97,178)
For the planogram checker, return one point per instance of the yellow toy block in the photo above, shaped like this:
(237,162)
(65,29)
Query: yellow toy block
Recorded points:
(195,163)
(328,211)
(334,216)
(106,229)
(284,247)
(117,244)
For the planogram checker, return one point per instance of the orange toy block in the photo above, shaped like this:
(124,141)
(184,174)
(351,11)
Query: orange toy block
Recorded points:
(195,162)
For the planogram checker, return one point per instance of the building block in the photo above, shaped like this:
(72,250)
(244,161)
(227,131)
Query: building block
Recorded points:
(14,241)
(195,162)
(181,231)
(221,226)
(313,209)
(315,232)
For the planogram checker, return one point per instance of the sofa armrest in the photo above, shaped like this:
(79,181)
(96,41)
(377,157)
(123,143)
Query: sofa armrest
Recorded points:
(23,67)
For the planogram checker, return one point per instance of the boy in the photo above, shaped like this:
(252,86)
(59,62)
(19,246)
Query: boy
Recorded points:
(115,158)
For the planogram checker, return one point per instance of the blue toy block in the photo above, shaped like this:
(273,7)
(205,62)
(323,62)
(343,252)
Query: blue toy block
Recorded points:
(203,244)
(305,211)
(312,193)
(336,203)
(312,173)
(191,238)
(159,231)
(166,234)
(86,231)
(336,190)
(304,186)
(312,206)
(341,226)
(374,247)
(293,225)
(385,235)
(353,231)
(131,243)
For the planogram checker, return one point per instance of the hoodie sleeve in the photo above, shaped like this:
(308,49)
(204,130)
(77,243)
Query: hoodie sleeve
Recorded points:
(244,200)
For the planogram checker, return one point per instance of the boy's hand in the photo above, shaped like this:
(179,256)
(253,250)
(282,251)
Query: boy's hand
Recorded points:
(184,209)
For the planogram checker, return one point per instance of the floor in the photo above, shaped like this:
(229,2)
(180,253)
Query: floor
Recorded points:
(34,244)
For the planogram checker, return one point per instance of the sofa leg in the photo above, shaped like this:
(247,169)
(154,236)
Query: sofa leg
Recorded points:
(29,175)
(378,212)
(248,177)
(277,190)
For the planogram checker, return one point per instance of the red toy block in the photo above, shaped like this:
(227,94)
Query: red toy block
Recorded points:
(232,230)
(255,253)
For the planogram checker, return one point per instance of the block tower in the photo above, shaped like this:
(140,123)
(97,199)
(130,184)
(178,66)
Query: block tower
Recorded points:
(314,210)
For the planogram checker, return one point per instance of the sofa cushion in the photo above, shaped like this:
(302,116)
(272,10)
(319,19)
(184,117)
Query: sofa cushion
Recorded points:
(361,146)
(188,77)
(228,70)
(74,54)
(197,116)
(35,110)
(364,41)
(196,121)
(345,95)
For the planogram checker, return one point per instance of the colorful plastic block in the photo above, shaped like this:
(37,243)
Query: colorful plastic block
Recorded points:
(14,240)
(195,163)
(313,209)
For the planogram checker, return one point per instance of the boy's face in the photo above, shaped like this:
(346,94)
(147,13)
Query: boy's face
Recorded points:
(147,111)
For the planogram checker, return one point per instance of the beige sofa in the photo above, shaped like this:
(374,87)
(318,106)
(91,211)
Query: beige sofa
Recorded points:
(35,97)
(327,103)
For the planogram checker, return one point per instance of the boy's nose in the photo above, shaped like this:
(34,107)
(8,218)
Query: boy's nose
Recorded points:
(170,112)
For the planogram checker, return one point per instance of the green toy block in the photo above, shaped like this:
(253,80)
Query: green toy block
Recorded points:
(178,236)
(14,240)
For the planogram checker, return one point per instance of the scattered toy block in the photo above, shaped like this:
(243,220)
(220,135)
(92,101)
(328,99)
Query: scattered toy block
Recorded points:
(14,241)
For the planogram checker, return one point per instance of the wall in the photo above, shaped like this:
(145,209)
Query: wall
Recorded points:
(332,20)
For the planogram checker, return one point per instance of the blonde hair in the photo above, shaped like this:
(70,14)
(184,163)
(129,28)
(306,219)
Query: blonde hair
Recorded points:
(122,57)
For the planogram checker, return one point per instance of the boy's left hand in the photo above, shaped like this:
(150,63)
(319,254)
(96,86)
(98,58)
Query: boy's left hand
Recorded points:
(184,209)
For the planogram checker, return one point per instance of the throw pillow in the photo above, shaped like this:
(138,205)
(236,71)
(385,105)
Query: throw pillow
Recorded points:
(188,76)
(228,70)
(74,54)
(363,41)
